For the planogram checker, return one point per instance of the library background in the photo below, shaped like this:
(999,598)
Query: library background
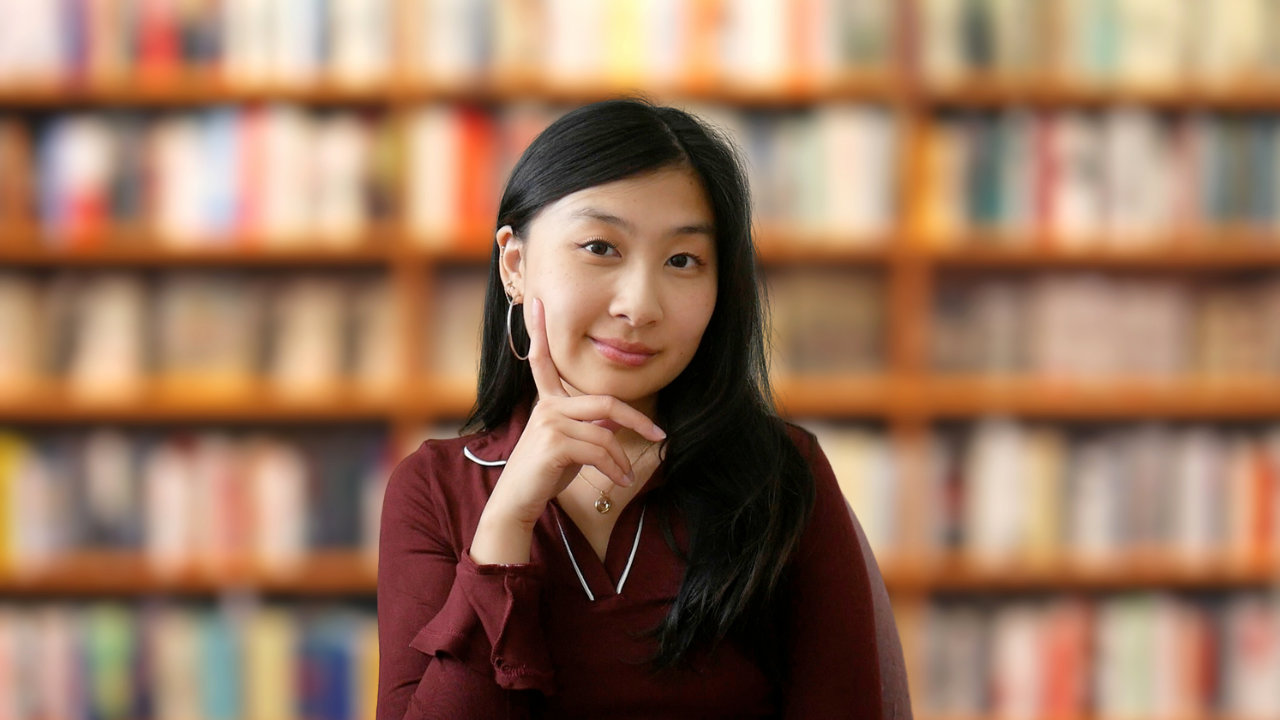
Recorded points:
(1023,258)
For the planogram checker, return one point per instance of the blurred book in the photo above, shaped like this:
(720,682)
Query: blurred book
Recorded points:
(826,320)
(208,502)
(1090,326)
(1026,495)
(1130,655)
(165,659)
(1124,179)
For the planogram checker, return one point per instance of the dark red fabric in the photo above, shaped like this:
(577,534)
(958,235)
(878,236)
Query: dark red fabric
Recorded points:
(461,640)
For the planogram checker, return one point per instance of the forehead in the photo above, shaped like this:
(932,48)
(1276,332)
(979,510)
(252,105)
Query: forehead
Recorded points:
(659,201)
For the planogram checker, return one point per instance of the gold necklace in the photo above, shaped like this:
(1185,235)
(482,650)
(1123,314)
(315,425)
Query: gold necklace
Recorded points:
(603,503)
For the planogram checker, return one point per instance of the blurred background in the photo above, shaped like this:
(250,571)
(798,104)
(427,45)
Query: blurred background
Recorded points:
(1023,258)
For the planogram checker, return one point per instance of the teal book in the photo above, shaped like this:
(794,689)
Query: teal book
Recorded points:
(220,668)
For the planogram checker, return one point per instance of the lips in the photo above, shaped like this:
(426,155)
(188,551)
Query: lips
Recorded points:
(627,347)
(622,356)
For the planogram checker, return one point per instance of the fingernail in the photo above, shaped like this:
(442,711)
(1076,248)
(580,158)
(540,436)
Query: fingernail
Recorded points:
(629,479)
(658,430)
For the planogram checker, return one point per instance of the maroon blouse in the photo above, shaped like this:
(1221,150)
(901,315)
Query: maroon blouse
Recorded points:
(461,640)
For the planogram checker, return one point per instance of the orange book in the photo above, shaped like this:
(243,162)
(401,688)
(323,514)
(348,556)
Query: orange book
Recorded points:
(477,182)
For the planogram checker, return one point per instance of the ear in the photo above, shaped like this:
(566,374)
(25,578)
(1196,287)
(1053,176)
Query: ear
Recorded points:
(511,262)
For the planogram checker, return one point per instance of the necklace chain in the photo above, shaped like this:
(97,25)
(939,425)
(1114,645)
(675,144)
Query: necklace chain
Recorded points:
(603,503)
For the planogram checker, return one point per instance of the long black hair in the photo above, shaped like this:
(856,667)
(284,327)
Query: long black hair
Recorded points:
(745,491)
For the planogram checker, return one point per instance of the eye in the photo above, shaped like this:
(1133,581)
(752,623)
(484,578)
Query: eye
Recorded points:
(599,243)
(692,260)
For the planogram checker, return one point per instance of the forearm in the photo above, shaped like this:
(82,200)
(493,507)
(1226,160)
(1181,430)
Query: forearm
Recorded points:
(501,539)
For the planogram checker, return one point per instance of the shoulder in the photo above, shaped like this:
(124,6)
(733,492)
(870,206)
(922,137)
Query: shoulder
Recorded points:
(431,478)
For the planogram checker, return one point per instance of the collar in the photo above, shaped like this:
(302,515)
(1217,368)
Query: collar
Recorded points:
(492,448)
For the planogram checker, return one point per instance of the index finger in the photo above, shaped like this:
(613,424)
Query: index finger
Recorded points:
(545,376)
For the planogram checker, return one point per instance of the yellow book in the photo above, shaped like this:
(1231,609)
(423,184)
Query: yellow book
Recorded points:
(270,666)
(12,450)
(367,683)
(624,50)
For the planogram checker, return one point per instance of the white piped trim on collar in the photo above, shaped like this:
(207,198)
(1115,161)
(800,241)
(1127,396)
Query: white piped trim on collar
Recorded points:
(490,463)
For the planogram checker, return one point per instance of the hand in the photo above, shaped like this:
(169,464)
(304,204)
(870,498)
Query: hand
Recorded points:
(563,434)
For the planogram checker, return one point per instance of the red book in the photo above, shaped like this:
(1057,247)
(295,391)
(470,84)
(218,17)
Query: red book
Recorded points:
(477,181)
(159,43)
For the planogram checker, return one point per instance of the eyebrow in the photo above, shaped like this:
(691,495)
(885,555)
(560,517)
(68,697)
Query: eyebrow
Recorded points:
(594,214)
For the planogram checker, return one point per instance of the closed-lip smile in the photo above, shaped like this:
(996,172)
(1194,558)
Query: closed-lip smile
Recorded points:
(624,346)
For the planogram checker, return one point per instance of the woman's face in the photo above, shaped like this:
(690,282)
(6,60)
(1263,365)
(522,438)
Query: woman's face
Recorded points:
(628,262)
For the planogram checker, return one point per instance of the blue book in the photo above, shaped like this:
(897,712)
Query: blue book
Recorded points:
(220,668)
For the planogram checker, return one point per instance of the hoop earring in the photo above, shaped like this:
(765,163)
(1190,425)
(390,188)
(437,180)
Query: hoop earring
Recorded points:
(511,303)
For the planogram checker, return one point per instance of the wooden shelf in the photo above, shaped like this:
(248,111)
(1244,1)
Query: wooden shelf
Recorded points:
(351,572)
(1006,91)
(1100,400)
(1132,571)
(116,255)
(930,397)
(870,85)
(130,573)
(194,402)
(1202,254)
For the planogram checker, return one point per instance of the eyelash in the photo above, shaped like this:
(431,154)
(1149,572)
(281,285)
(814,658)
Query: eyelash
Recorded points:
(697,259)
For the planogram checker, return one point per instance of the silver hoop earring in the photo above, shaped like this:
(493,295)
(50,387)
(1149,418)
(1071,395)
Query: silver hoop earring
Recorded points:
(511,303)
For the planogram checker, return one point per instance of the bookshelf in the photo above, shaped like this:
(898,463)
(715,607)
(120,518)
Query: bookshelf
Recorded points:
(905,400)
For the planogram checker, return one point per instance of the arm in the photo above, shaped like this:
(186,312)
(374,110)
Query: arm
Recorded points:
(455,638)
(846,659)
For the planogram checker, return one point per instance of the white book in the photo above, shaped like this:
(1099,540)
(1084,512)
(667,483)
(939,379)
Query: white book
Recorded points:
(342,157)
(21,333)
(169,480)
(278,478)
(297,29)
(362,41)
(288,176)
(1140,178)
(1198,483)
(108,360)
(518,39)
(309,317)
(1095,504)
(859,156)
(33,47)
(434,163)
(180,190)
(1018,663)
(80,166)
(755,49)
(247,35)
(574,41)
(994,473)
(451,38)
(664,37)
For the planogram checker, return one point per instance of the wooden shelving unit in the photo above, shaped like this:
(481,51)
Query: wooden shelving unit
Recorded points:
(907,398)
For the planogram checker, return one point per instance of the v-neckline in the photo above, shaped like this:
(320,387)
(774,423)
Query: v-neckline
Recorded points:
(596,572)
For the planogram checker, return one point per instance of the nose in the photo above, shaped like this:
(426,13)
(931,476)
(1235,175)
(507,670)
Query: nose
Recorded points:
(637,296)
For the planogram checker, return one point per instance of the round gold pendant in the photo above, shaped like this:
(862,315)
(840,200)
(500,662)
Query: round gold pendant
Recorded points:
(603,505)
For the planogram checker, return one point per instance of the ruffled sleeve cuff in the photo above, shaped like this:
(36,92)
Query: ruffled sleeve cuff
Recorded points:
(492,622)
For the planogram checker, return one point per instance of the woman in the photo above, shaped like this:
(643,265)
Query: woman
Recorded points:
(633,532)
